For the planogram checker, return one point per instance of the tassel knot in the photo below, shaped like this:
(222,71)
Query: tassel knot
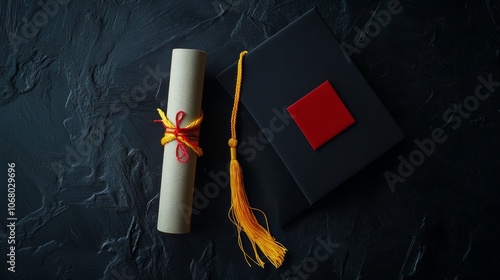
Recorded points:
(233,143)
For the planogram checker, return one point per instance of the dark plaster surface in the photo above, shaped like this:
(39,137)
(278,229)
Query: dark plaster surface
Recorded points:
(88,158)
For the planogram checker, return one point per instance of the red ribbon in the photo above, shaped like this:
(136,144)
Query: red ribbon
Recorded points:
(182,135)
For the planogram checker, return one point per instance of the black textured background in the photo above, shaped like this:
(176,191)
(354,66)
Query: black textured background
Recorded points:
(88,156)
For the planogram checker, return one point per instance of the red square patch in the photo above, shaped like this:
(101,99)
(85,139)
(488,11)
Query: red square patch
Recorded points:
(321,115)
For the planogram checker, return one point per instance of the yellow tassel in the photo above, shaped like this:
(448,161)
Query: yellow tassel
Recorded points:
(240,213)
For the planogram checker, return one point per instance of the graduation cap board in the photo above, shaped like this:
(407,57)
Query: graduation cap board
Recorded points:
(333,124)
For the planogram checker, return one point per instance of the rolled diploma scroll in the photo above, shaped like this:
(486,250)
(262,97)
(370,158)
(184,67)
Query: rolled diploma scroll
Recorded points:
(177,179)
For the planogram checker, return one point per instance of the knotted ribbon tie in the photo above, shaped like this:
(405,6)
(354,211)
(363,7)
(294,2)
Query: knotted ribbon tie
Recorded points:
(186,136)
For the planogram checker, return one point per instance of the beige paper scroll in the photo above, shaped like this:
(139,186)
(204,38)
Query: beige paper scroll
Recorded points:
(177,180)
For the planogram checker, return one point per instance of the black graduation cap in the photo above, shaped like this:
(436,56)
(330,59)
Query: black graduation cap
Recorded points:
(321,116)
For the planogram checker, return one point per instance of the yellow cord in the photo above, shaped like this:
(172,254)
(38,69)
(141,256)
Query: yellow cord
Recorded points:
(237,94)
